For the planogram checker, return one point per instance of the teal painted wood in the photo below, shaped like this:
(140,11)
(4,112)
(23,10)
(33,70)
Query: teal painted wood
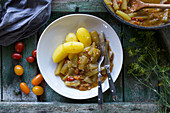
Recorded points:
(31,69)
(133,90)
(11,89)
(77,108)
(165,44)
(71,5)
(165,34)
(82,5)
(51,95)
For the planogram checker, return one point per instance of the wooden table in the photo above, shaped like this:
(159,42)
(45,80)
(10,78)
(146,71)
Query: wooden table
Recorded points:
(132,96)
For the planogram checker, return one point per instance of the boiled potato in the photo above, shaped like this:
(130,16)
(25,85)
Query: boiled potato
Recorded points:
(59,54)
(71,37)
(73,47)
(84,36)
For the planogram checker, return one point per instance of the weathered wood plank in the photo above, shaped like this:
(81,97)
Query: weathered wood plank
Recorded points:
(10,81)
(164,40)
(11,90)
(82,5)
(133,90)
(72,5)
(50,95)
(31,69)
(77,108)
(165,33)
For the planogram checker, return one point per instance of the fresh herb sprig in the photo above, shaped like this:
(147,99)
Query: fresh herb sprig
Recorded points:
(150,63)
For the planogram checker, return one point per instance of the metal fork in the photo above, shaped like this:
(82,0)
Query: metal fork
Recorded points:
(107,67)
(100,94)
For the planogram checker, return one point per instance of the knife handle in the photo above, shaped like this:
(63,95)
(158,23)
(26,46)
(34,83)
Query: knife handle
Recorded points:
(112,87)
(100,94)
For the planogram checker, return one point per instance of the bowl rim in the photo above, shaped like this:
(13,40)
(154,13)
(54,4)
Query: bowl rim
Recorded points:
(69,15)
(133,25)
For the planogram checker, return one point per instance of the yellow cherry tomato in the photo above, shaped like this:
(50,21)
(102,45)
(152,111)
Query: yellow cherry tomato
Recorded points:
(38,90)
(59,54)
(24,88)
(71,37)
(84,36)
(18,70)
(73,47)
(37,80)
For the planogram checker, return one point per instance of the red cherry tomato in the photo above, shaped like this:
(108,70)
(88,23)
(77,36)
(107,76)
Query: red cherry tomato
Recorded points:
(19,47)
(70,78)
(16,56)
(34,53)
(30,59)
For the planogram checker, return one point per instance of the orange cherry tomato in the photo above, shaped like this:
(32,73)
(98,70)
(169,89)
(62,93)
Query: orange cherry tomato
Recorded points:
(37,80)
(24,88)
(18,70)
(38,90)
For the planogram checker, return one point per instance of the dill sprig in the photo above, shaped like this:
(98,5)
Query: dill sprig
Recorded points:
(150,63)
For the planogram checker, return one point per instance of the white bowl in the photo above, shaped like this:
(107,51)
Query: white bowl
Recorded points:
(54,35)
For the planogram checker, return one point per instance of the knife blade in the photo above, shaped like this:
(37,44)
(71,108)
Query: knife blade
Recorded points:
(107,67)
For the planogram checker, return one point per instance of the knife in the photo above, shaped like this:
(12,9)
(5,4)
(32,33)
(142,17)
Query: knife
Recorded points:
(107,67)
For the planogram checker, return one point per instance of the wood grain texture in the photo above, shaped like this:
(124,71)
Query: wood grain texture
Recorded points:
(11,89)
(31,69)
(82,5)
(133,90)
(51,95)
(77,108)
(164,39)
(11,81)
(165,33)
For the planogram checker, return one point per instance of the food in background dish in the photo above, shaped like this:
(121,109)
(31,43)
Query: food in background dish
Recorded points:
(147,17)
(78,60)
